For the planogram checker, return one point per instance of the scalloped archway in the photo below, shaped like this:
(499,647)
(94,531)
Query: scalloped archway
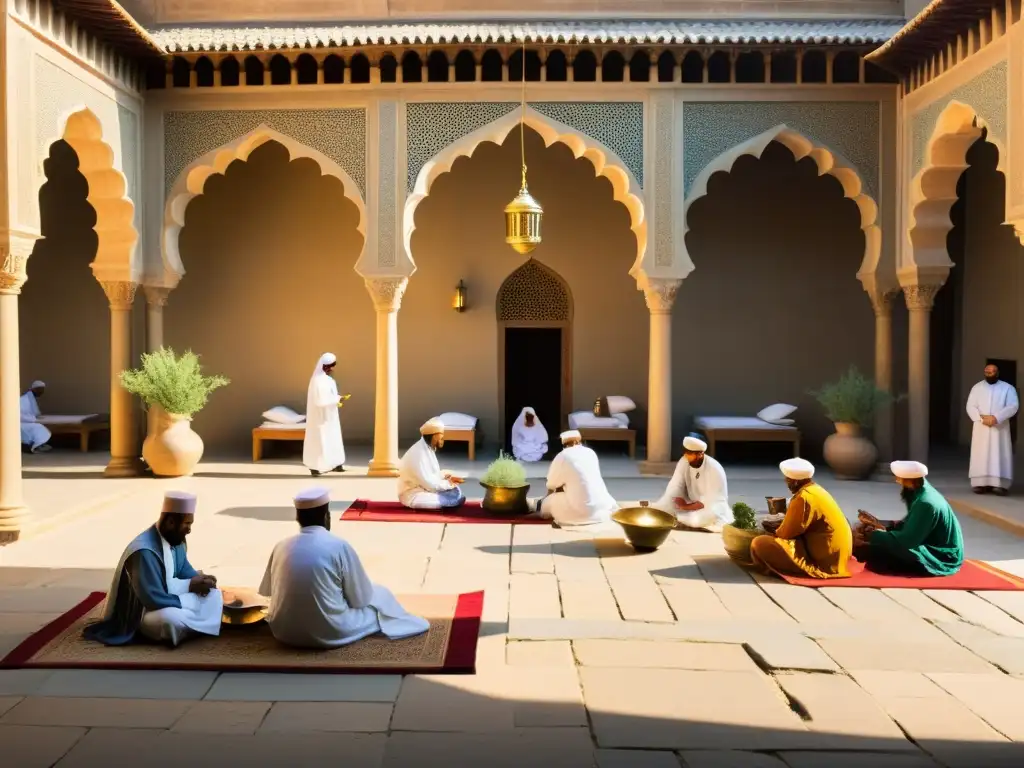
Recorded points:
(116,235)
(192,180)
(625,188)
(828,162)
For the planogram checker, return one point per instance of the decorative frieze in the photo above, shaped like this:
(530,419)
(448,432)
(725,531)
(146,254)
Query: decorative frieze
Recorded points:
(660,295)
(387,292)
(881,302)
(120,294)
(920,298)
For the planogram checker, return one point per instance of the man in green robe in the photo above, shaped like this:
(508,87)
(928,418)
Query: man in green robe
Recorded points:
(927,542)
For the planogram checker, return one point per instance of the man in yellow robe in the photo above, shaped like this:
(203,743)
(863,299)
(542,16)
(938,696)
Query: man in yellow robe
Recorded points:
(814,539)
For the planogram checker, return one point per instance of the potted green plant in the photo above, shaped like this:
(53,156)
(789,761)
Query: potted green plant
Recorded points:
(737,535)
(174,389)
(851,403)
(505,487)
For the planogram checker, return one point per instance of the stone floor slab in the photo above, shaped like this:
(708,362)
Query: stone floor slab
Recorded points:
(311,687)
(865,604)
(562,747)
(796,652)
(885,685)
(662,654)
(919,604)
(801,603)
(728,759)
(127,684)
(1007,653)
(460,704)
(692,599)
(977,611)
(897,655)
(639,598)
(544,653)
(8,702)
(226,717)
(996,699)
(588,600)
(55,600)
(733,585)
(856,760)
(22,682)
(1011,602)
(332,716)
(29,746)
(534,596)
(634,758)
(97,713)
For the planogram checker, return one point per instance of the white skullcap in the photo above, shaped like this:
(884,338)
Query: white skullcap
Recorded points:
(909,470)
(179,503)
(311,498)
(572,434)
(328,358)
(37,384)
(797,469)
(433,427)
(694,444)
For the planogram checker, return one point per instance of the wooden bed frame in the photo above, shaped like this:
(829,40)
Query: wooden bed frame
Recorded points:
(84,430)
(259,434)
(467,436)
(743,435)
(611,435)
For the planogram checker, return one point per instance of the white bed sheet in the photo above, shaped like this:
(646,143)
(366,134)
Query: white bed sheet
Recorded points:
(275,425)
(587,420)
(739,422)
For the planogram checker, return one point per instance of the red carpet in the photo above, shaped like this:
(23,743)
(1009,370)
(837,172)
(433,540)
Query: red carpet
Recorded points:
(393,512)
(974,576)
(447,648)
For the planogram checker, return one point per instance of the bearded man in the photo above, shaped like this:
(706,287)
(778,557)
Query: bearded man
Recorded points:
(697,494)
(421,483)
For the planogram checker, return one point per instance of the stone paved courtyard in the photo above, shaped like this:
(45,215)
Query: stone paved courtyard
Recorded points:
(589,655)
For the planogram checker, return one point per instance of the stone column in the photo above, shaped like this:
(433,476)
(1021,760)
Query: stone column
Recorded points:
(14,253)
(156,300)
(124,452)
(660,295)
(386,293)
(881,303)
(920,299)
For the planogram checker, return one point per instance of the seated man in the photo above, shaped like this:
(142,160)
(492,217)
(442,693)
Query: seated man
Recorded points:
(697,493)
(928,541)
(320,595)
(155,590)
(33,434)
(529,438)
(421,483)
(814,538)
(577,494)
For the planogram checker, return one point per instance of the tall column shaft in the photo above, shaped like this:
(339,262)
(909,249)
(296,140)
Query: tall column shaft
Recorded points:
(660,295)
(14,514)
(124,453)
(156,300)
(919,303)
(387,296)
(882,306)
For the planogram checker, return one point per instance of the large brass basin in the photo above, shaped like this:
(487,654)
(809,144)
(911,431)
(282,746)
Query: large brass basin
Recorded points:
(505,501)
(646,528)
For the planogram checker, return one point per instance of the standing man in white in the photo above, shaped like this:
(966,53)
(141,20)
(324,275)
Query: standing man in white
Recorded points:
(991,405)
(322,448)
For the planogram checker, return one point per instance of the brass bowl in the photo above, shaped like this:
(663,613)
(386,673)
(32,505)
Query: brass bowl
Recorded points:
(243,606)
(646,528)
(509,502)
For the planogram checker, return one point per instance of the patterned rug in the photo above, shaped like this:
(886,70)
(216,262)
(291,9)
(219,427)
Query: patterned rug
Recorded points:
(973,576)
(448,647)
(393,512)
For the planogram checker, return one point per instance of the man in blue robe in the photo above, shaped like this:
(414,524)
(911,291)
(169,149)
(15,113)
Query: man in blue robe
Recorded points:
(156,591)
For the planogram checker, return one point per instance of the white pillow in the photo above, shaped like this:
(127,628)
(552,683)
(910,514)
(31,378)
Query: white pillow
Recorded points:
(622,418)
(279,414)
(781,422)
(454,420)
(773,413)
(620,404)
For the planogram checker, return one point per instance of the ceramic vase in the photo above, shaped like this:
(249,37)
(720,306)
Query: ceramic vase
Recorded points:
(171,448)
(737,543)
(849,454)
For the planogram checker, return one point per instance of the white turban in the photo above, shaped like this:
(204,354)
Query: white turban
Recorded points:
(37,384)
(179,503)
(797,469)
(909,470)
(311,498)
(433,427)
(572,434)
(694,444)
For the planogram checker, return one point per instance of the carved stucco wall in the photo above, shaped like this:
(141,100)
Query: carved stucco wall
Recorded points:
(58,93)
(387,213)
(340,134)
(986,94)
(850,129)
(432,126)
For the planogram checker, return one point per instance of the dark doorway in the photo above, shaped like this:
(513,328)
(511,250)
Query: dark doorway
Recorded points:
(1007,373)
(533,377)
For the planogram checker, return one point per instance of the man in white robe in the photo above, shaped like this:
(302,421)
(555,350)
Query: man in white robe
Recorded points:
(529,438)
(33,434)
(156,592)
(697,494)
(421,483)
(991,405)
(577,494)
(322,447)
(320,594)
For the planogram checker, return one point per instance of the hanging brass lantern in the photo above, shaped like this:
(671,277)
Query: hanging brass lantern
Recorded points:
(523,215)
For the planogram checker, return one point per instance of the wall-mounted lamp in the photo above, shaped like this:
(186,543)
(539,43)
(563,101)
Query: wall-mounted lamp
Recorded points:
(459,300)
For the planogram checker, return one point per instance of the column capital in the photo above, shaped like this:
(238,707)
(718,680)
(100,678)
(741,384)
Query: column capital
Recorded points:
(156,296)
(660,294)
(920,298)
(120,294)
(15,248)
(881,301)
(1018,230)
(387,292)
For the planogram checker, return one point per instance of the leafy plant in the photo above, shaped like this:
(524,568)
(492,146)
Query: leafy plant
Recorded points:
(854,399)
(176,384)
(743,517)
(504,472)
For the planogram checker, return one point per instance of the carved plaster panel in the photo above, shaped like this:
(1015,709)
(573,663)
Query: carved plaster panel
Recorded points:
(15,250)
(848,128)
(121,295)
(533,293)
(664,221)
(387,188)
(920,297)
(340,134)
(985,94)
(430,127)
(660,295)
(387,292)
(881,302)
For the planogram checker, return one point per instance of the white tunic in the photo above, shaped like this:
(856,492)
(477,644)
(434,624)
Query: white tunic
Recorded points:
(321,597)
(585,500)
(420,479)
(200,615)
(33,433)
(991,449)
(529,443)
(706,484)
(322,448)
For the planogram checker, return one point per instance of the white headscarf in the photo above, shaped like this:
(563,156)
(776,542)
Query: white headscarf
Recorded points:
(522,433)
(327,358)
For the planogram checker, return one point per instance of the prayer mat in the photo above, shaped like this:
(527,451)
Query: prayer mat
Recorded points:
(973,576)
(447,648)
(394,512)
